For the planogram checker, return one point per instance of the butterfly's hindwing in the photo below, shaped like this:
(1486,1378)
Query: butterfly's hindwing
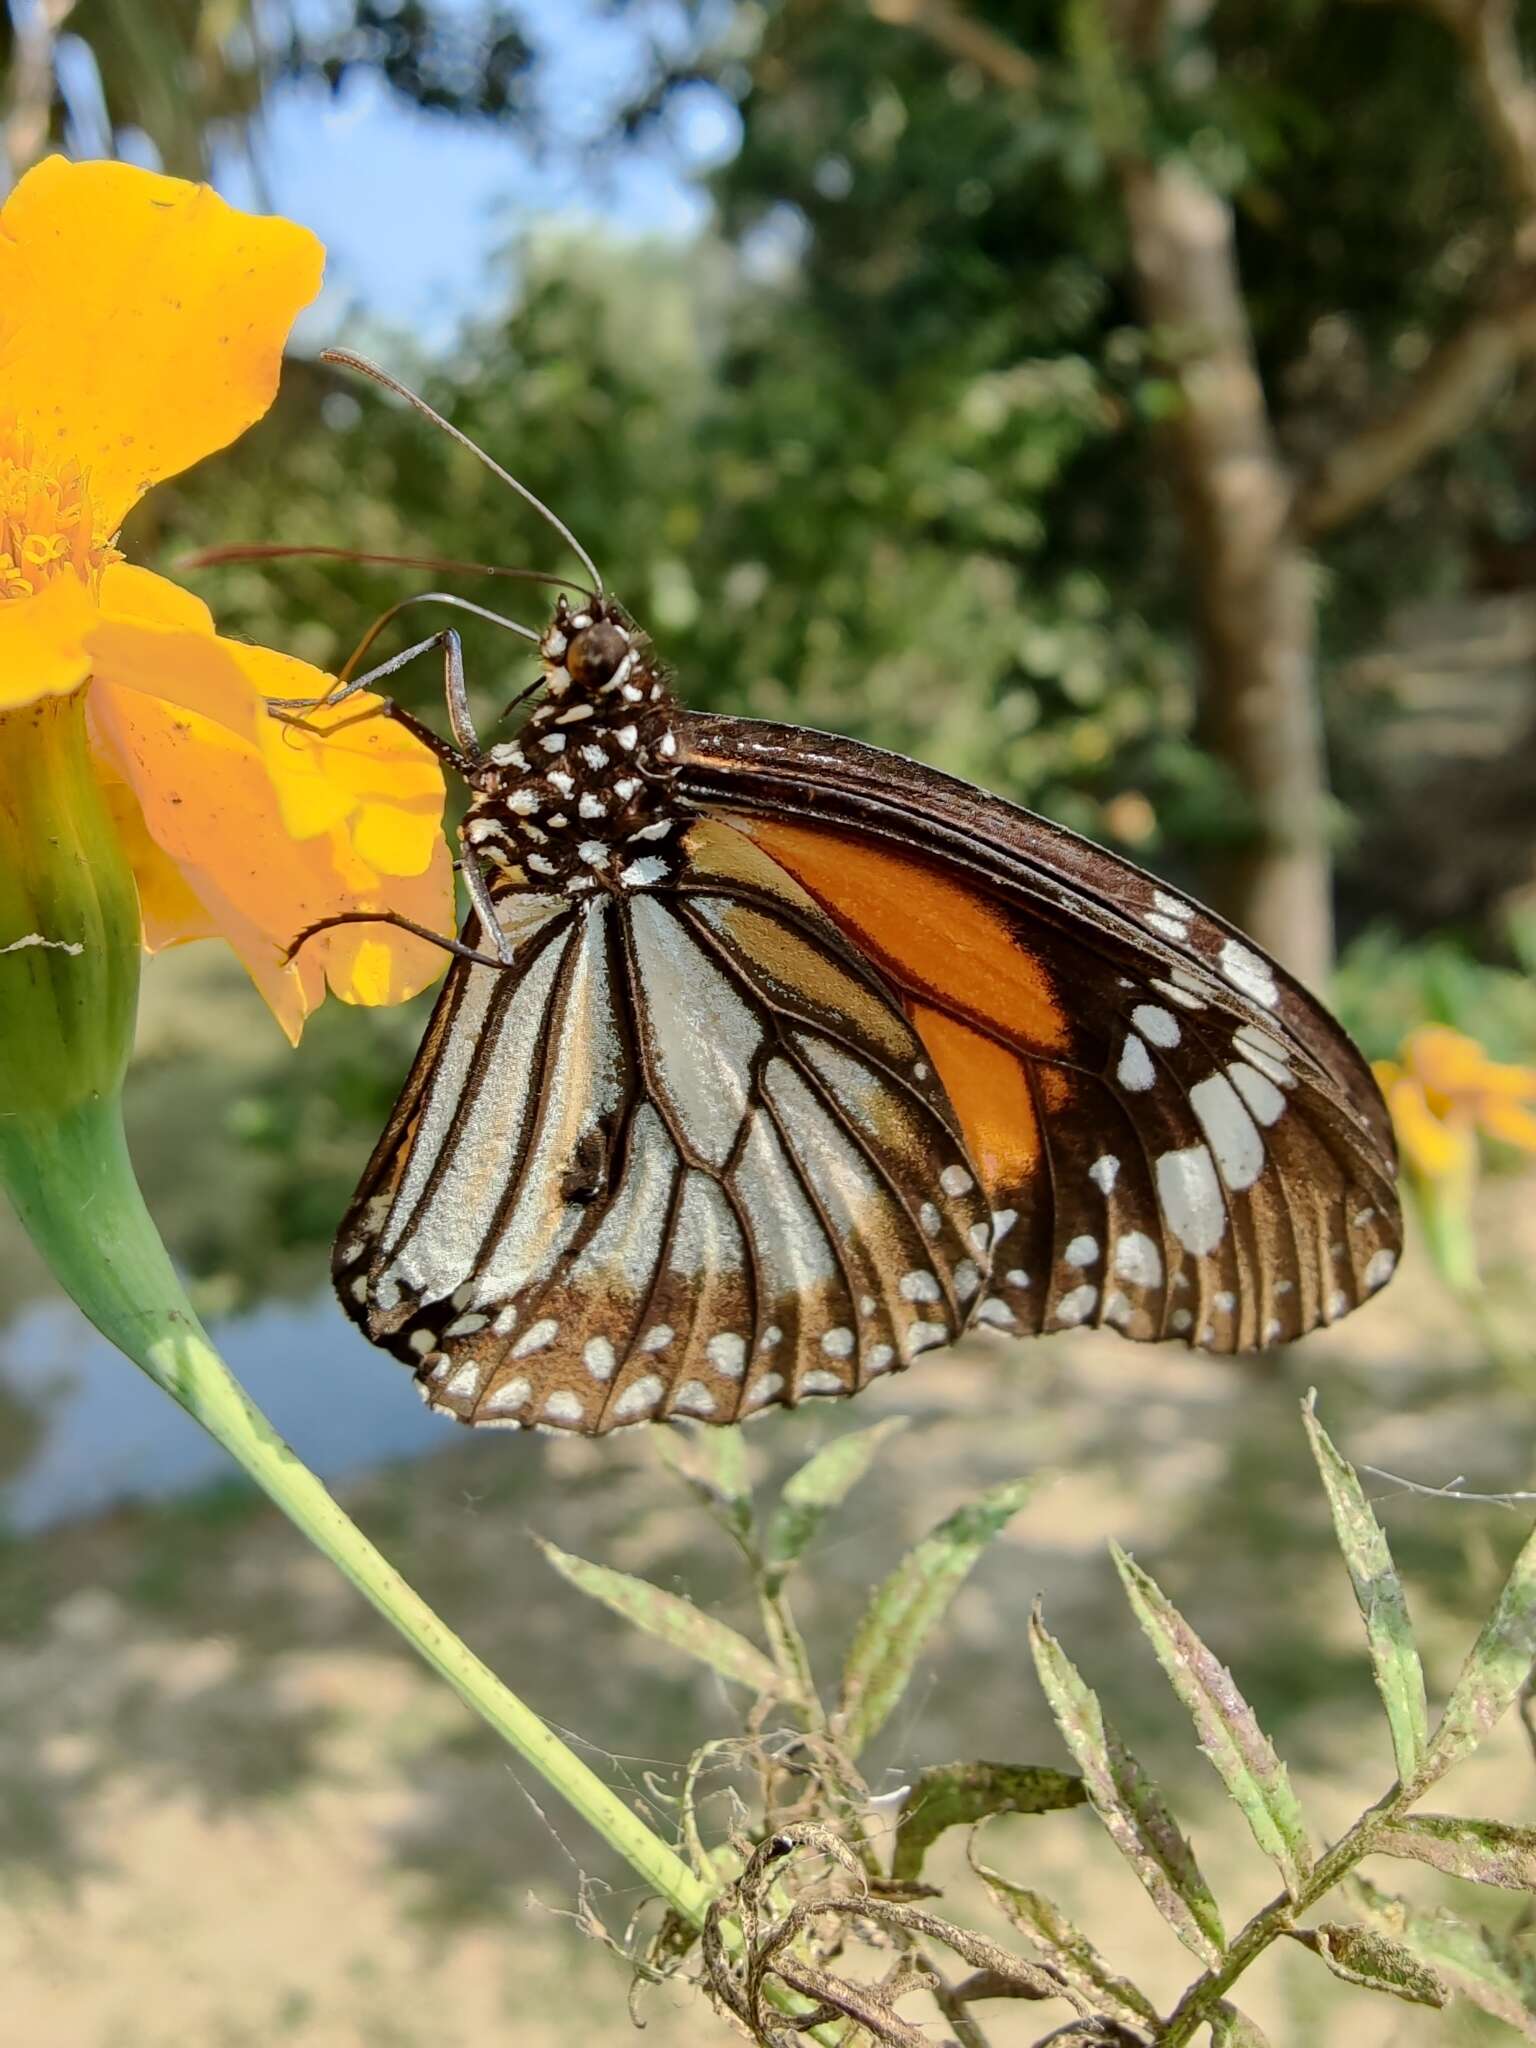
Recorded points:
(686,1157)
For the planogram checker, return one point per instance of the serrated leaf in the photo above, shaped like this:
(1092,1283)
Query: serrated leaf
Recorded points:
(1495,1974)
(1068,1948)
(1379,1594)
(1491,1678)
(713,1466)
(1362,1956)
(1225,1726)
(820,1485)
(671,1619)
(906,1609)
(958,1795)
(1488,1851)
(1127,1801)
(1233,2029)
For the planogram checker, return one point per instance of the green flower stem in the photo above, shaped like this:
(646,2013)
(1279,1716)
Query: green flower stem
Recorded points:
(74,1187)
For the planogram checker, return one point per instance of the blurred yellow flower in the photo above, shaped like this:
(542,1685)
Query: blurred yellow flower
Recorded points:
(1443,1090)
(142,323)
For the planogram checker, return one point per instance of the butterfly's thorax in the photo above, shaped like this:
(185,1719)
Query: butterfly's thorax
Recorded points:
(583,799)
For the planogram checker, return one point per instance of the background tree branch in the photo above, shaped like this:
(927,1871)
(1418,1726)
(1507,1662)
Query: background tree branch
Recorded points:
(1464,373)
(962,36)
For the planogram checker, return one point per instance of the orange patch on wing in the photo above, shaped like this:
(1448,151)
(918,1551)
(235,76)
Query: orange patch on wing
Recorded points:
(938,939)
(990,1091)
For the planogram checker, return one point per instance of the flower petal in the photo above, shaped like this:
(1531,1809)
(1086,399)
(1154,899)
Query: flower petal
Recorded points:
(142,320)
(172,914)
(1509,1123)
(1431,1148)
(128,592)
(42,651)
(272,829)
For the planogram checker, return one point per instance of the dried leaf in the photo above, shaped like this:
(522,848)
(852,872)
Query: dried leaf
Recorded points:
(1497,1975)
(820,1485)
(1225,1725)
(1489,1851)
(1233,2029)
(905,1610)
(1379,1593)
(956,1795)
(1493,1674)
(671,1619)
(1362,1956)
(1128,1802)
(1071,1950)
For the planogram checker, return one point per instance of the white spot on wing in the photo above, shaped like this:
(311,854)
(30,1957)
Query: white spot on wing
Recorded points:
(597,1357)
(1249,972)
(1135,1071)
(1231,1132)
(1077,1305)
(1258,1091)
(1138,1259)
(1380,1268)
(1082,1251)
(954,1180)
(1104,1173)
(639,1398)
(727,1353)
(1190,1195)
(1159,1025)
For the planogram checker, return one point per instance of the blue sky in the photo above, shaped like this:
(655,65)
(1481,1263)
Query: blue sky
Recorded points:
(414,208)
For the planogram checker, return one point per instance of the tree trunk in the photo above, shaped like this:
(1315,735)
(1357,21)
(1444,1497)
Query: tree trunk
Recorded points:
(1251,581)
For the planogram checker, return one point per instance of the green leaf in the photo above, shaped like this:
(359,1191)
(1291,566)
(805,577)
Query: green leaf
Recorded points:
(1225,1726)
(1362,1956)
(1379,1593)
(956,1795)
(712,1464)
(1128,1802)
(671,1619)
(1497,1975)
(820,1485)
(906,1609)
(1493,1674)
(1069,1949)
(1488,1851)
(1233,2029)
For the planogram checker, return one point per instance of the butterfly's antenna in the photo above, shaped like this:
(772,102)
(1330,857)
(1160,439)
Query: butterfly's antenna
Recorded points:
(348,360)
(274,551)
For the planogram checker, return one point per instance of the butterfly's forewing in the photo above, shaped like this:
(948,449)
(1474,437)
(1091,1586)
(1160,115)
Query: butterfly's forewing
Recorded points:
(1177,1139)
(687,1156)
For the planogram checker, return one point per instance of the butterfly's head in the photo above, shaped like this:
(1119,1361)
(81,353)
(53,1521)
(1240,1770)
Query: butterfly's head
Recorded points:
(588,647)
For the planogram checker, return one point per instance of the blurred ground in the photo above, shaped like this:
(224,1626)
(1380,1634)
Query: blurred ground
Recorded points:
(238,1812)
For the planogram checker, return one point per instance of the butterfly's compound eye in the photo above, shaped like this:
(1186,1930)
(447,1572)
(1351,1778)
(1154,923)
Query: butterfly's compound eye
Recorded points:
(595,653)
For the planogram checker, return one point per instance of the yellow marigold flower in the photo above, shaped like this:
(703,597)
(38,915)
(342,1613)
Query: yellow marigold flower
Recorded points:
(1443,1091)
(142,323)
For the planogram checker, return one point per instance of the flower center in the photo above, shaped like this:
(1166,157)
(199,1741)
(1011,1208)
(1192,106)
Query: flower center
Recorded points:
(45,519)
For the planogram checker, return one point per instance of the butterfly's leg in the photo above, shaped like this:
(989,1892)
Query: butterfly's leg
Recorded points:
(460,757)
(479,892)
(406,924)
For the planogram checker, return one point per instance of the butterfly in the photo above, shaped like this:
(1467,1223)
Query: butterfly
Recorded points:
(769,1061)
